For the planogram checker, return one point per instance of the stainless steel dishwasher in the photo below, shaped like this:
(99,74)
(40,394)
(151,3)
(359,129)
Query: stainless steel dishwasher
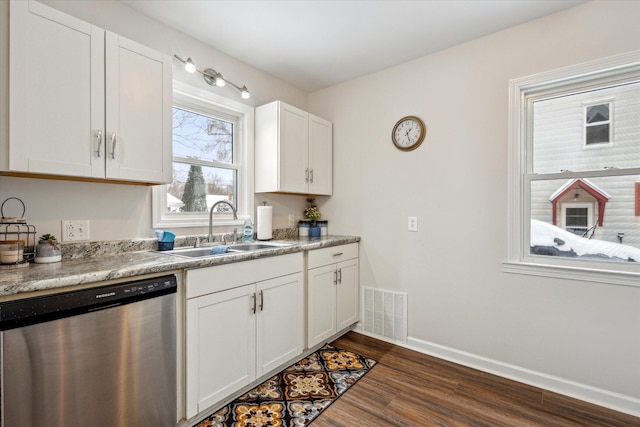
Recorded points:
(102,356)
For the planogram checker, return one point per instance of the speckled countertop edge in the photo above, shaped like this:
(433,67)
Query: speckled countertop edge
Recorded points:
(122,265)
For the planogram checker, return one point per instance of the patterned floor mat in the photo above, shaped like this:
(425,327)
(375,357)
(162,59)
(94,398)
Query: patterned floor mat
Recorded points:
(297,395)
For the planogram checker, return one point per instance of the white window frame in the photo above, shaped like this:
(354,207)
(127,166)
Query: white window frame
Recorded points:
(609,122)
(563,212)
(192,98)
(522,93)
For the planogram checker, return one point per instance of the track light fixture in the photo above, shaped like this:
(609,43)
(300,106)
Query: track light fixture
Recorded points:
(212,77)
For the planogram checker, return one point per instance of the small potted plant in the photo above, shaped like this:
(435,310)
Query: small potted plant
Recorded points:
(48,249)
(312,213)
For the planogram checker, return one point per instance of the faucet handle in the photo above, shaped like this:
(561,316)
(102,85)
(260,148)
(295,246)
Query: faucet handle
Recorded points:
(197,244)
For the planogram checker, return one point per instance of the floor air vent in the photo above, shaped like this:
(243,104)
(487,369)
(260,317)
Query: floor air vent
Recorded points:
(385,313)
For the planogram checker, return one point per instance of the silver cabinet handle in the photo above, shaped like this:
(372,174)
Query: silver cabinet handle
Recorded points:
(99,135)
(306,172)
(311,175)
(113,145)
(340,275)
(335,277)
(261,300)
(339,254)
(253,306)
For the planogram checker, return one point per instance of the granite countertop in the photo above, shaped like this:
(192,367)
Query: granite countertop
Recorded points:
(18,282)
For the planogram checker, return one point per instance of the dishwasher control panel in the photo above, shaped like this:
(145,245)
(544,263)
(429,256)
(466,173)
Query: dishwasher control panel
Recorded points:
(28,311)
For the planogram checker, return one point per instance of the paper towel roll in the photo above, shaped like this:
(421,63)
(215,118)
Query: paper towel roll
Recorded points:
(264,219)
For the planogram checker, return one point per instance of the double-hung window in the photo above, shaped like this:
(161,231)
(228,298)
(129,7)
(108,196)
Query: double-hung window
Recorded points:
(212,141)
(574,172)
(598,124)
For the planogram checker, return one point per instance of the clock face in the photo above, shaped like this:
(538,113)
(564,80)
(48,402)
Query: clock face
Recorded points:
(408,133)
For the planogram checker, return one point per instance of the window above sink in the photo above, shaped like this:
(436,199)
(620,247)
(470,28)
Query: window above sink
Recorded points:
(213,142)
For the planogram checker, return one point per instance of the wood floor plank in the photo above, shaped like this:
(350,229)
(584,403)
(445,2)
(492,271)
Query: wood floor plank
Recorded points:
(407,388)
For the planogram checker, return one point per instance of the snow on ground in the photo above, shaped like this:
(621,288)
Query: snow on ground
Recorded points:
(550,236)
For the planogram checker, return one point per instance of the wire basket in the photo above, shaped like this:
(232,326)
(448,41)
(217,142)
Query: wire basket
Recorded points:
(15,228)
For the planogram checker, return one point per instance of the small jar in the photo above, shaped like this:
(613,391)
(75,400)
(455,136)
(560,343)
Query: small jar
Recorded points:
(48,251)
(324,228)
(303,228)
(11,251)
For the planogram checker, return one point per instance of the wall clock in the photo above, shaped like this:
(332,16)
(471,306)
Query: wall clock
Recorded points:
(408,133)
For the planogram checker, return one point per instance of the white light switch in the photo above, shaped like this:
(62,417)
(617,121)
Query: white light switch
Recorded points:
(413,223)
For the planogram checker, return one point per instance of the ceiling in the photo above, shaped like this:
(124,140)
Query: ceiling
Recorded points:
(316,44)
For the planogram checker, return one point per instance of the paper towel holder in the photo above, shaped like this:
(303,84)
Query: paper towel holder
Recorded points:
(264,222)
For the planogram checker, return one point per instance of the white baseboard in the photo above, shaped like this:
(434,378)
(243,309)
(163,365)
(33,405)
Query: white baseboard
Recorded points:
(597,396)
(608,399)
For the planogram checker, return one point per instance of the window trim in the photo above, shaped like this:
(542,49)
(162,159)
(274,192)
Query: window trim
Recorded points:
(586,125)
(189,96)
(580,205)
(620,68)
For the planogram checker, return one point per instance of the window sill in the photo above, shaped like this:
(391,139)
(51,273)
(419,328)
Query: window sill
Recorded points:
(620,278)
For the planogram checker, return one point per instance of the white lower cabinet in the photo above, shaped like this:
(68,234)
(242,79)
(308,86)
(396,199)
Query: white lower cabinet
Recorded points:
(332,291)
(243,320)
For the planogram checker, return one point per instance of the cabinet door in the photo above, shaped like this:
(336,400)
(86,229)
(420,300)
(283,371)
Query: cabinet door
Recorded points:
(348,292)
(321,301)
(280,322)
(320,156)
(294,141)
(56,95)
(220,346)
(138,112)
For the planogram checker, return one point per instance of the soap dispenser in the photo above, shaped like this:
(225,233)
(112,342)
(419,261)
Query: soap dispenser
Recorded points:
(247,230)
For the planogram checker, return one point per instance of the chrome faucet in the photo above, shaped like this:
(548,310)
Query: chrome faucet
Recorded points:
(226,202)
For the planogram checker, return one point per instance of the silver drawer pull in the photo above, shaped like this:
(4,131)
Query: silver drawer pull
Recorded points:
(338,254)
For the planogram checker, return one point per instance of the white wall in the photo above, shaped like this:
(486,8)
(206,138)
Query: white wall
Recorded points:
(124,211)
(456,183)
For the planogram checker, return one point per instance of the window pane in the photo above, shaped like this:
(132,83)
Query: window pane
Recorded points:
(597,134)
(559,131)
(576,217)
(202,137)
(598,113)
(196,188)
(583,202)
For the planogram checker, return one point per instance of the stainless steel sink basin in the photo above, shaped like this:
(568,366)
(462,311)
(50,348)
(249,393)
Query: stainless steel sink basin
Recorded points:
(196,252)
(205,251)
(257,246)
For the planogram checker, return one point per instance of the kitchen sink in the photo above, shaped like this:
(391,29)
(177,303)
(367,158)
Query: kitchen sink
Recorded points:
(205,251)
(257,246)
(197,252)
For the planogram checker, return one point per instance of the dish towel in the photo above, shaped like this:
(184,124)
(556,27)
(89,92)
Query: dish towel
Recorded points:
(220,249)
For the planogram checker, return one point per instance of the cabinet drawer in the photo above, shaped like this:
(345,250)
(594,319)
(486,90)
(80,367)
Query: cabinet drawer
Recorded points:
(203,281)
(325,256)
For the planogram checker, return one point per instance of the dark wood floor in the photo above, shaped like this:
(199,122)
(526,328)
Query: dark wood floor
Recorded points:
(407,388)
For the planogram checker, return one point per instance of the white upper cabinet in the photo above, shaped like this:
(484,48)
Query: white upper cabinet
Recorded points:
(320,156)
(83,102)
(293,151)
(138,112)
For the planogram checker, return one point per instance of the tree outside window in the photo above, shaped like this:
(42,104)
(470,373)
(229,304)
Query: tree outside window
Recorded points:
(204,170)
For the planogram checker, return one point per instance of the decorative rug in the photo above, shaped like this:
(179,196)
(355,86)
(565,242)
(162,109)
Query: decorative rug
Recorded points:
(297,395)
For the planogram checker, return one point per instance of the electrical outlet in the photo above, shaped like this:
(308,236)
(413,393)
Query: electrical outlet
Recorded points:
(75,230)
(413,223)
(292,220)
